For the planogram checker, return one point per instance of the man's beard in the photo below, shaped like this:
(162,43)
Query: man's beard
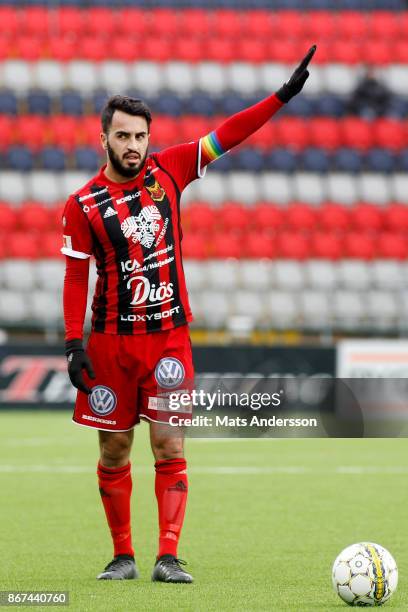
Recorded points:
(125,171)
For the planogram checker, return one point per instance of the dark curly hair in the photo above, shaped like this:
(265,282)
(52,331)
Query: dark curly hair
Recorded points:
(131,106)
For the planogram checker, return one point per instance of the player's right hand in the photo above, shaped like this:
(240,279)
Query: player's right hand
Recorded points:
(295,84)
(78,360)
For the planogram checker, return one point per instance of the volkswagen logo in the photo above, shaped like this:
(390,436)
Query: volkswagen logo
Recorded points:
(102,400)
(169,372)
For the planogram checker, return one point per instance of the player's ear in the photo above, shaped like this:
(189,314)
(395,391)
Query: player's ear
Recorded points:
(104,140)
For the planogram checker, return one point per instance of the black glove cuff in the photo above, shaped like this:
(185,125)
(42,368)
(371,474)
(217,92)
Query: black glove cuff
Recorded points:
(73,345)
(283,94)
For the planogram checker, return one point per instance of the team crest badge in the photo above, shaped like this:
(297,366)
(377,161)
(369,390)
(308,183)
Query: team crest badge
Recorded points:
(156,191)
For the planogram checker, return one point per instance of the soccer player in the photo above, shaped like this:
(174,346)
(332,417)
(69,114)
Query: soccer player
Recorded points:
(128,217)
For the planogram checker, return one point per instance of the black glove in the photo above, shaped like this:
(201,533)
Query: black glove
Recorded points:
(77,361)
(297,80)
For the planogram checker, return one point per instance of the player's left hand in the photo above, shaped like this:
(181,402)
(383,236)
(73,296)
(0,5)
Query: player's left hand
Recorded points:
(295,84)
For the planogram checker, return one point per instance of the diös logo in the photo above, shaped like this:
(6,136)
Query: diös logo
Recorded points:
(144,291)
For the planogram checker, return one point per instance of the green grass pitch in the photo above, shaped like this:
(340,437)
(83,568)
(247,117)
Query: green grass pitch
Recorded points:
(265,519)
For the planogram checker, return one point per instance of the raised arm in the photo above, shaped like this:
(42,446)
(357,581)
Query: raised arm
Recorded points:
(240,126)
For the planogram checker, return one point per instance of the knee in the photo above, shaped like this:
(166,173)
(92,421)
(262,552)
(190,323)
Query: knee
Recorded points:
(168,448)
(115,449)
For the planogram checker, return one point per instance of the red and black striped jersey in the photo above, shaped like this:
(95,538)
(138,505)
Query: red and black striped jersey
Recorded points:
(133,229)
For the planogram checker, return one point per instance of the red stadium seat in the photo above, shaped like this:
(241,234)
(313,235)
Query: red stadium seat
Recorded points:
(156,49)
(334,217)
(51,244)
(3,245)
(5,47)
(376,52)
(37,20)
(367,217)
(164,130)
(164,22)
(7,132)
(70,20)
(101,21)
(91,128)
(219,49)
(64,131)
(324,132)
(8,217)
(199,217)
(384,24)
(359,245)
(124,49)
(22,244)
(29,48)
(345,52)
(357,133)
(56,215)
(188,49)
(289,24)
(232,216)
(352,25)
(326,245)
(300,216)
(9,20)
(35,217)
(192,128)
(93,48)
(62,48)
(392,245)
(320,25)
(390,134)
(250,50)
(267,216)
(226,245)
(196,23)
(293,245)
(227,23)
(265,137)
(399,52)
(260,245)
(396,217)
(133,22)
(283,50)
(259,24)
(292,132)
(324,55)
(31,130)
(195,246)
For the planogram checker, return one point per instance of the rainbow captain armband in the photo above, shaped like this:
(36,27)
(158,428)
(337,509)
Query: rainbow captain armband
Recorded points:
(211,147)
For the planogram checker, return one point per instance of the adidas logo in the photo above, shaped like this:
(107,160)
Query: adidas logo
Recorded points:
(179,486)
(110,212)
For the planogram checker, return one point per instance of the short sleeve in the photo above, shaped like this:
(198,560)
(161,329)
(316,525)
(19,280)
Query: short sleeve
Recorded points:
(77,237)
(182,162)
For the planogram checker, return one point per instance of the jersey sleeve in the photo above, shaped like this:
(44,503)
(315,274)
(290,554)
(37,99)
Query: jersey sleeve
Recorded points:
(77,237)
(183,162)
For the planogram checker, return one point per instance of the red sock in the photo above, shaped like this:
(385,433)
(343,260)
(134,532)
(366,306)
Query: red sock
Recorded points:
(115,486)
(171,491)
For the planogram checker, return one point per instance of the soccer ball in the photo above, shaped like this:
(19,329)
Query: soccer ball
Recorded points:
(365,574)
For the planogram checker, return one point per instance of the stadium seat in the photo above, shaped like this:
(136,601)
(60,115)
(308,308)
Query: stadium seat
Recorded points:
(45,308)
(382,309)
(348,309)
(315,160)
(64,131)
(281,159)
(341,187)
(233,216)
(87,158)
(288,275)
(360,245)
(35,217)
(226,245)
(374,188)
(249,305)
(9,20)
(211,77)
(347,160)
(133,21)
(396,217)
(242,77)
(31,131)
(38,102)
(380,160)
(17,76)
(243,186)
(19,158)
(324,133)
(309,187)
(222,275)
(101,20)
(22,245)
(12,308)
(396,79)
(261,245)
(255,275)
(366,217)
(384,24)
(13,186)
(300,216)
(49,274)
(70,20)
(52,158)
(146,77)
(62,49)
(326,245)
(357,133)
(390,134)
(227,23)
(43,186)
(293,245)
(8,102)
(196,22)
(195,246)
(387,274)
(82,75)
(354,274)
(321,274)
(283,309)
(196,279)
(339,79)
(215,308)
(51,244)
(275,187)
(399,187)
(392,245)
(267,216)
(48,75)
(18,274)
(315,309)
(345,53)
(334,217)
(292,132)
(8,218)
(114,76)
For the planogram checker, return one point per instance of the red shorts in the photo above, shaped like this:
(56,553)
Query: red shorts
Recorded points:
(135,376)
